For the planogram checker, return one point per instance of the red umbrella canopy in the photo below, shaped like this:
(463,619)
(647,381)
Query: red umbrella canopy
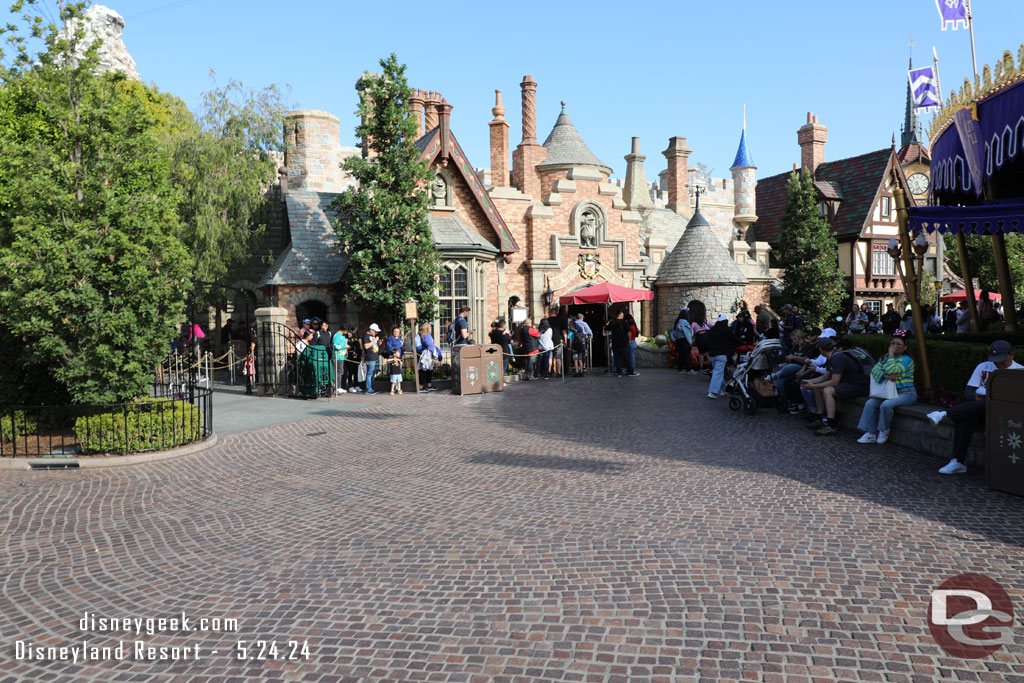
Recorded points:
(606,293)
(962,294)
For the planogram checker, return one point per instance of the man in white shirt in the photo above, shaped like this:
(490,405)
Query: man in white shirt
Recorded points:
(963,318)
(970,414)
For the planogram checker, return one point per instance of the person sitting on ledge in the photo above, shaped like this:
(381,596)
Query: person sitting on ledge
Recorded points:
(843,379)
(895,367)
(971,413)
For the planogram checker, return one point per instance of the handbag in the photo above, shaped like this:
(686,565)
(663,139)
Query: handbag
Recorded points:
(361,373)
(884,390)
(426,360)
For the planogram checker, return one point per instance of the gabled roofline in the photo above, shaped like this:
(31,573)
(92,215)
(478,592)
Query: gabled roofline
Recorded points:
(431,151)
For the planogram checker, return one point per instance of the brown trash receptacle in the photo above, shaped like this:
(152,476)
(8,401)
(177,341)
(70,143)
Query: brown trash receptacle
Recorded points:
(1004,432)
(493,368)
(467,369)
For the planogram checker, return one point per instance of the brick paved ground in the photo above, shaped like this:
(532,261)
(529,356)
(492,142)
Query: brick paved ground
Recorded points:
(608,529)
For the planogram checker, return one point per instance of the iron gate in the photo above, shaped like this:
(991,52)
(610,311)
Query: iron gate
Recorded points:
(281,370)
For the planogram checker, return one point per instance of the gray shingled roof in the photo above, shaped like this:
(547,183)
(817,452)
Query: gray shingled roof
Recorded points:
(313,257)
(663,224)
(699,259)
(451,233)
(566,147)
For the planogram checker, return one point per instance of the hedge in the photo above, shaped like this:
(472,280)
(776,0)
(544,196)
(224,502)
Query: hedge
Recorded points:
(1015,338)
(152,424)
(22,424)
(951,362)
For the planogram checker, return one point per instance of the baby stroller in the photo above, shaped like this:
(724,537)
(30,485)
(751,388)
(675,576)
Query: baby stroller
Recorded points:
(748,386)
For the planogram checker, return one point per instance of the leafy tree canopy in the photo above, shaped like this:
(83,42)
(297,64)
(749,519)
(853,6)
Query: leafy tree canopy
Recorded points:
(982,261)
(809,253)
(382,222)
(92,273)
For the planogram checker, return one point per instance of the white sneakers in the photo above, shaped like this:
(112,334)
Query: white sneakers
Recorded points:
(867,437)
(935,417)
(883,436)
(954,467)
(710,395)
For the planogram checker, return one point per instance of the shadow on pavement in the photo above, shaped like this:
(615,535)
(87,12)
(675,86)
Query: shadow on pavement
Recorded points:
(554,462)
(665,415)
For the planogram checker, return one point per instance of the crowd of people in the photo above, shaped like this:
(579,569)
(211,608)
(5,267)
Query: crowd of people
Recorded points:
(818,368)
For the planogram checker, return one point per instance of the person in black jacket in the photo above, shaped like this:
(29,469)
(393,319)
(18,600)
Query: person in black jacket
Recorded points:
(721,342)
(620,332)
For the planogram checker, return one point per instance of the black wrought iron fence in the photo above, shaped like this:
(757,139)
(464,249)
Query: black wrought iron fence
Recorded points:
(171,416)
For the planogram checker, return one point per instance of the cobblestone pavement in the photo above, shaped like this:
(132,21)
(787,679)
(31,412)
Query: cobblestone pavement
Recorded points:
(601,530)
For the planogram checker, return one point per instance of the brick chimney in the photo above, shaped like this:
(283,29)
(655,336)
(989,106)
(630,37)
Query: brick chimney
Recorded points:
(432,99)
(444,112)
(416,110)
(676,154)
(499,144)
(529,153)
(812,137)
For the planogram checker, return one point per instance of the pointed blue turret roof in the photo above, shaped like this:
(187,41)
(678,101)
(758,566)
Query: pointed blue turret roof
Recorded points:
(742,155)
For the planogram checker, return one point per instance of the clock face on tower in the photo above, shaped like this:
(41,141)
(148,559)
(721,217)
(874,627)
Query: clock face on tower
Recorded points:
(918,183)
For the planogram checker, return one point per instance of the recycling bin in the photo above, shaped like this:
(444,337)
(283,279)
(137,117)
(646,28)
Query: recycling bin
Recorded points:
(492,365)
(1004,432)
(467,369)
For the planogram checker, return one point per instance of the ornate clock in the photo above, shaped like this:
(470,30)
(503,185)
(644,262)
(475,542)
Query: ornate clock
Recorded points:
(918,183)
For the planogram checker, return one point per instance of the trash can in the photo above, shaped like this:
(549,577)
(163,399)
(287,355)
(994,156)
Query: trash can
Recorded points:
(467,369)
(1004,432)
(493,368)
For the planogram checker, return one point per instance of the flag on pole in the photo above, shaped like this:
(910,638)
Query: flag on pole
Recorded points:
(924,87)
(953,13)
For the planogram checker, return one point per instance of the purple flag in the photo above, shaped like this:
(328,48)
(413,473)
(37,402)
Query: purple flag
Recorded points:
(969,131)
(953,13)
(925,87)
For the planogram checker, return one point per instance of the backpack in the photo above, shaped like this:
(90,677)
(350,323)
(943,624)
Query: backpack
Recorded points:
(451,332)
(863,357)
(577,343)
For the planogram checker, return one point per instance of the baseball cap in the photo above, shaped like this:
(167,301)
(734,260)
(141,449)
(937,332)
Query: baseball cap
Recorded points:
(826,343)
(723,318)
(375,327)
(828,333)
(814,332)
(999,350)
(787,306)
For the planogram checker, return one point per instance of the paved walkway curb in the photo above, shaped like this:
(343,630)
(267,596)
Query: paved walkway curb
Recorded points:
(111,461)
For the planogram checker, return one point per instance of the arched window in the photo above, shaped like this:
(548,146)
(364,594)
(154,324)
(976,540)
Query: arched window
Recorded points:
(453,293)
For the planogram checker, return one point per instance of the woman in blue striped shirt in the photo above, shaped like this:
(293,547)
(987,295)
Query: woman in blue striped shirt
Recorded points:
(896,367)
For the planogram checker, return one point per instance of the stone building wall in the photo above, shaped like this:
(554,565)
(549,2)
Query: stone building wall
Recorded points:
(314,152)
(717,299)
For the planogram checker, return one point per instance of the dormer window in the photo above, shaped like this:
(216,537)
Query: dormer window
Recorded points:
(823,208)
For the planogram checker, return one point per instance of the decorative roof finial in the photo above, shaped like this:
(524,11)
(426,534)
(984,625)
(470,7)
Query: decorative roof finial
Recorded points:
(563,106)
(497,110)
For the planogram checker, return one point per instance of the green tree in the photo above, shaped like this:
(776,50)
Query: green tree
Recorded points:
(92,273)
(809,253)
(382,222)
(982,261)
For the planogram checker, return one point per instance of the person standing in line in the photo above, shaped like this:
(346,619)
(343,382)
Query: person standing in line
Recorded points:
(681,335)
(339,344)
(429,355)
(721,342)
(371,355)
(354,358)
(634,332)
(250,362)
(460,327)
(502,338)
(619,329)
(544,362)
(588,335)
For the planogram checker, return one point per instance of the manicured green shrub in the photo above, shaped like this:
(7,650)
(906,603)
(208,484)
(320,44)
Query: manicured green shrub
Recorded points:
(146,425)
(986,337)
(12,427)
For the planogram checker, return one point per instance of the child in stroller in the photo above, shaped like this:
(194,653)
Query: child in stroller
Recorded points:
(748,385)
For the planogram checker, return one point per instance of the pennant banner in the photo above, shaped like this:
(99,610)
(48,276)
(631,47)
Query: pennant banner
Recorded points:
(967,128)
(925,87)
(953,13)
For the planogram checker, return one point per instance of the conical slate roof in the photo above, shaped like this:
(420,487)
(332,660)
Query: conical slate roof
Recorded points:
(743,159)
(566,147)
(699,259)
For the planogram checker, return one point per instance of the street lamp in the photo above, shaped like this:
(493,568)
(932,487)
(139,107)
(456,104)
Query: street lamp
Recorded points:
(920,248)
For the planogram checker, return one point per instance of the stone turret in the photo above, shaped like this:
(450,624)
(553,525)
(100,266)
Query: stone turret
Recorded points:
(744,177)
(313,151)
(106,25)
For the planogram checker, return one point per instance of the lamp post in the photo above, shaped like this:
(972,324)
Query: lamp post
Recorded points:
(920,248)
(910,280)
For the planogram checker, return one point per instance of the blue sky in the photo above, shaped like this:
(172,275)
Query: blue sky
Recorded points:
(647,69)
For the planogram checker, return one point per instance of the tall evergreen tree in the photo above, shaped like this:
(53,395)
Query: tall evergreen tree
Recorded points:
(92,273)
(382,222)
(809,253)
